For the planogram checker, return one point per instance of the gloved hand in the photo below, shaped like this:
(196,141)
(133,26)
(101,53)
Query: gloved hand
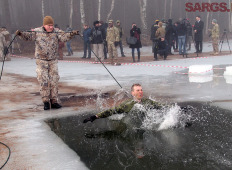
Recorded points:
(116,43)
(91,118)
(18,32)
(74,32)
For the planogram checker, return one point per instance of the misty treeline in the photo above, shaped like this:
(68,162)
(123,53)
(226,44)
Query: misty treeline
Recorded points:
(26,14)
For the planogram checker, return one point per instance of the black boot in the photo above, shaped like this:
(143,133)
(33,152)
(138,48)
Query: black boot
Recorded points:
(138,56)
(56,106)
(46,106)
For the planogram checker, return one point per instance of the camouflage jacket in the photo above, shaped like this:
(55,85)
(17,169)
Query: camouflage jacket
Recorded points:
(46,44)
(112,35)
(120,30)
(2,41)
(215,31)
(128,105)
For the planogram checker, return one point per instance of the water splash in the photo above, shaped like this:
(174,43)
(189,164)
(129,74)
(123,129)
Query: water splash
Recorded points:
(166,118)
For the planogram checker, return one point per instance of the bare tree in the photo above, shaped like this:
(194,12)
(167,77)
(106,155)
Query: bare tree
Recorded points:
(207,20)
(71,13)
(111,10)
(170,15)
(143,15)
(99,10)
(165,9)
(43,9)
(82,11)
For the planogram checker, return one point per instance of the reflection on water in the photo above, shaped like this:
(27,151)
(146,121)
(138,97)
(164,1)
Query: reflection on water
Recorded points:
(110,144)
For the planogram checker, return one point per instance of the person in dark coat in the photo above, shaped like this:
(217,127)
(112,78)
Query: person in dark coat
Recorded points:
(169,36)
(135,32)
(98,37)
(175,41)
(189,34)
(87,43)
(181,32)
(198,34)
(104,27)
(161,48)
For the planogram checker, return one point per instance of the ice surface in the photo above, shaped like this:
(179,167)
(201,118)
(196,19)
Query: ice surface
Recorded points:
(52,153)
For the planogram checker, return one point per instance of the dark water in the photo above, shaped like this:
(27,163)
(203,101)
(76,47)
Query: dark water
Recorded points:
(108,144)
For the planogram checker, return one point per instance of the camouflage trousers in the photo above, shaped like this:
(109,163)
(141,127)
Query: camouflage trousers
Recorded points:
(215,45)
(7,57)
(113,53)
(48,77)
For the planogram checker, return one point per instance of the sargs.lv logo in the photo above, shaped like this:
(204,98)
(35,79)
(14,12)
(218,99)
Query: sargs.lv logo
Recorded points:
(208,7)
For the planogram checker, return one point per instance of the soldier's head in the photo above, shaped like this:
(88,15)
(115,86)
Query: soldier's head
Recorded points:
(214,21)
(118,22)
(137,91)
(110,23)
(48,23)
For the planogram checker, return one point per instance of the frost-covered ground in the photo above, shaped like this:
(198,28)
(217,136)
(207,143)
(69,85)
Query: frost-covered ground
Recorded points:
(158,79)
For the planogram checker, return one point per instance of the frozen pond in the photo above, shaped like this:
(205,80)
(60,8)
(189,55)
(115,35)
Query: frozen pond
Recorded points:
(205,144)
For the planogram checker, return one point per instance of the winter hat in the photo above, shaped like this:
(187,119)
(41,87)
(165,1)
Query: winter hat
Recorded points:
(48,20)
(95,22)
(214,21)
(110,21)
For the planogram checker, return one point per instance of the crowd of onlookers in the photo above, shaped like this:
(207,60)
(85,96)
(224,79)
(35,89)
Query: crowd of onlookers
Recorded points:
(167,37)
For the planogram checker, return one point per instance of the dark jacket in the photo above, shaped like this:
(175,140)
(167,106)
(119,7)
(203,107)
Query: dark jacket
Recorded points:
(189,29)
(97,35)
(170,31)
(162,45)
(87,34)
(135,32)
(181,29)
(198,36)
(153,31)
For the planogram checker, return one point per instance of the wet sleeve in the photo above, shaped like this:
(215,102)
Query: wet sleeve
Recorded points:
(122,108)
(154,104)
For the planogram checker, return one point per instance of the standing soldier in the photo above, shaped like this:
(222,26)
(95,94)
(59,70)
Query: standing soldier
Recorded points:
(2,45)
(112,38)
(118,25)
(7,39)
(46,53)
(215,36)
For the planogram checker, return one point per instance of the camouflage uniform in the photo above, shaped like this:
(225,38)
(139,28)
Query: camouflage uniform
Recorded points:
(215,36)
(128,105)
(2,45)
(46,54)
(112,36)
(8,39)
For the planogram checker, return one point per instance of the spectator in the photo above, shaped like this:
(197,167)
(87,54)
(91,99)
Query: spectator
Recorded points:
(160,32)
(104,27)
(87,43)
(135,32)
(68,43)
(153,31)
(215,36)
(118,25)
(98,37)
(198,34)
(181,32)
(175,42)
(7,36)
(2,45)
(112,38)
(189,35)
(169,35)
(161,48)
